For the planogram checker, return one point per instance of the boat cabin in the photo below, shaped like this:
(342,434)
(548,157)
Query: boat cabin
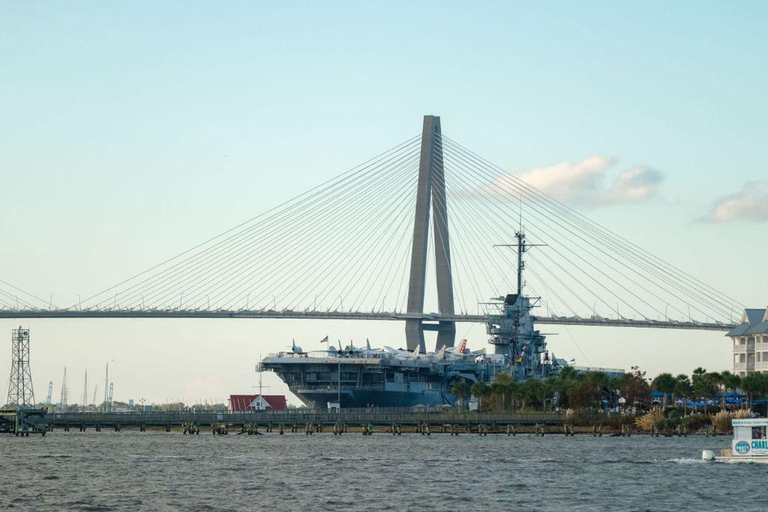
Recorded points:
(749,437)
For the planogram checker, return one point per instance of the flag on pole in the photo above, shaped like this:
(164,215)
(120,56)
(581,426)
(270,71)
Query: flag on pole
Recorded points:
(324,340)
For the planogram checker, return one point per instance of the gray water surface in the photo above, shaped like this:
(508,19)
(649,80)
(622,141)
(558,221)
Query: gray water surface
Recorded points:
(169,471)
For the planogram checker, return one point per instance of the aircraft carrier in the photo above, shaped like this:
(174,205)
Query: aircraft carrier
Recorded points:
(358,377)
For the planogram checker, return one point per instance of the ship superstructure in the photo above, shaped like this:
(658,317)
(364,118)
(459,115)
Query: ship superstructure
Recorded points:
(513,332)
(360,377)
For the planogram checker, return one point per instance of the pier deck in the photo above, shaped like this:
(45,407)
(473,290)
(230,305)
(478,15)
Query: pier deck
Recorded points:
(352,417)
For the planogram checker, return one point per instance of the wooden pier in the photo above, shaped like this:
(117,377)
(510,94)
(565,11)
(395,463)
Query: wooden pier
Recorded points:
(369,420)
(392,421)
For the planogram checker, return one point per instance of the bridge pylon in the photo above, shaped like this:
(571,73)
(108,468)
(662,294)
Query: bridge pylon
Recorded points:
(430,197)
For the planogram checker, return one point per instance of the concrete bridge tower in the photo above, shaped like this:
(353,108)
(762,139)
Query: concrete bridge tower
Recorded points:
(430,197)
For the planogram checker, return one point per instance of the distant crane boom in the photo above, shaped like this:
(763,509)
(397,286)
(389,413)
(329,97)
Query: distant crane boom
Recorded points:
(50,393)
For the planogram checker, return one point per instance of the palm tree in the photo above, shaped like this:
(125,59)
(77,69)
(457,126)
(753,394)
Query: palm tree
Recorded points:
(704,385)
(498,392)
(664,383)
(755,384)
(731,381)
(480,389)
(461,390)
(568,373)
(530,390)
(719,381)
(683,388)
(503,386)
(751,385)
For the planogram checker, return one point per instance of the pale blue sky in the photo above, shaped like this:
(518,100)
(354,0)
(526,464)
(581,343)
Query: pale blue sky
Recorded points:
(131,131)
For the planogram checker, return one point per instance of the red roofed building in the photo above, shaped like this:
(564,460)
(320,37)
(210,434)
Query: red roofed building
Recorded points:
(257,403)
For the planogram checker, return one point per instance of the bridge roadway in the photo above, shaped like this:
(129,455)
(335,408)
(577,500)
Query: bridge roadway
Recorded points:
(300,417)
(595,321)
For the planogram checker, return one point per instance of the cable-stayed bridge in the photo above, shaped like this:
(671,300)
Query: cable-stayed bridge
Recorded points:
(420,227)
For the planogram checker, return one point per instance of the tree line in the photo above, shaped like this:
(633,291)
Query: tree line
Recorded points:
(593,390)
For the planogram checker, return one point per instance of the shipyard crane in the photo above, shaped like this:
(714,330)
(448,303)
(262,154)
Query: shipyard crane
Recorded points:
(64,391)
(50,393)
(85,392)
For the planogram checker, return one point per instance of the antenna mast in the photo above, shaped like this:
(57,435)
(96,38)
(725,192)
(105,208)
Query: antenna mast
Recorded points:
(261,370)
(20,392)
(520,263)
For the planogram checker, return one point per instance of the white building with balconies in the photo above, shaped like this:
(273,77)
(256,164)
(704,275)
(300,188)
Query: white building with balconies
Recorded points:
(750,343)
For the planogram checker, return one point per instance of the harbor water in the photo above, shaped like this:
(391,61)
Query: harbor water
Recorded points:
(169,471)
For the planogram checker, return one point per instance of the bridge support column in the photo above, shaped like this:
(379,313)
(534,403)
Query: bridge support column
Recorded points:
(431,183)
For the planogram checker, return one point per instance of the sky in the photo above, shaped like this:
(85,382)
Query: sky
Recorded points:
(130,132)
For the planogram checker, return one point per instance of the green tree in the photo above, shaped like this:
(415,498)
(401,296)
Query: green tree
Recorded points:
(731,381)
(597,379)
(462,390)
(664,383)
(755,384)
(582,395)
(634,387)
(568,373)
(683,388)
(531,391)
(587,390)
(501,389)
(704,386)
(556,385)
(719,381)
(480,390)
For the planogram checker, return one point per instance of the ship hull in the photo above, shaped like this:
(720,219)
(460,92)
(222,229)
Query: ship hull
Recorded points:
(370,398)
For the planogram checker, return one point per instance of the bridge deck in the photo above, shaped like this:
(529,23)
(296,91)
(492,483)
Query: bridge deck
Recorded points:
(340,315)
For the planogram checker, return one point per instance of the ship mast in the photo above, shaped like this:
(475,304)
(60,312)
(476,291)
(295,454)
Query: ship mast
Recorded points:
(520,263)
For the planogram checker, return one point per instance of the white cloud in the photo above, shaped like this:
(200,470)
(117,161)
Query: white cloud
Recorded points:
(584,182)
(750,204)
(634,184)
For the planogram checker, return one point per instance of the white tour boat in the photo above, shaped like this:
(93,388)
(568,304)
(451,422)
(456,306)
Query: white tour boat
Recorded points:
(749,444)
